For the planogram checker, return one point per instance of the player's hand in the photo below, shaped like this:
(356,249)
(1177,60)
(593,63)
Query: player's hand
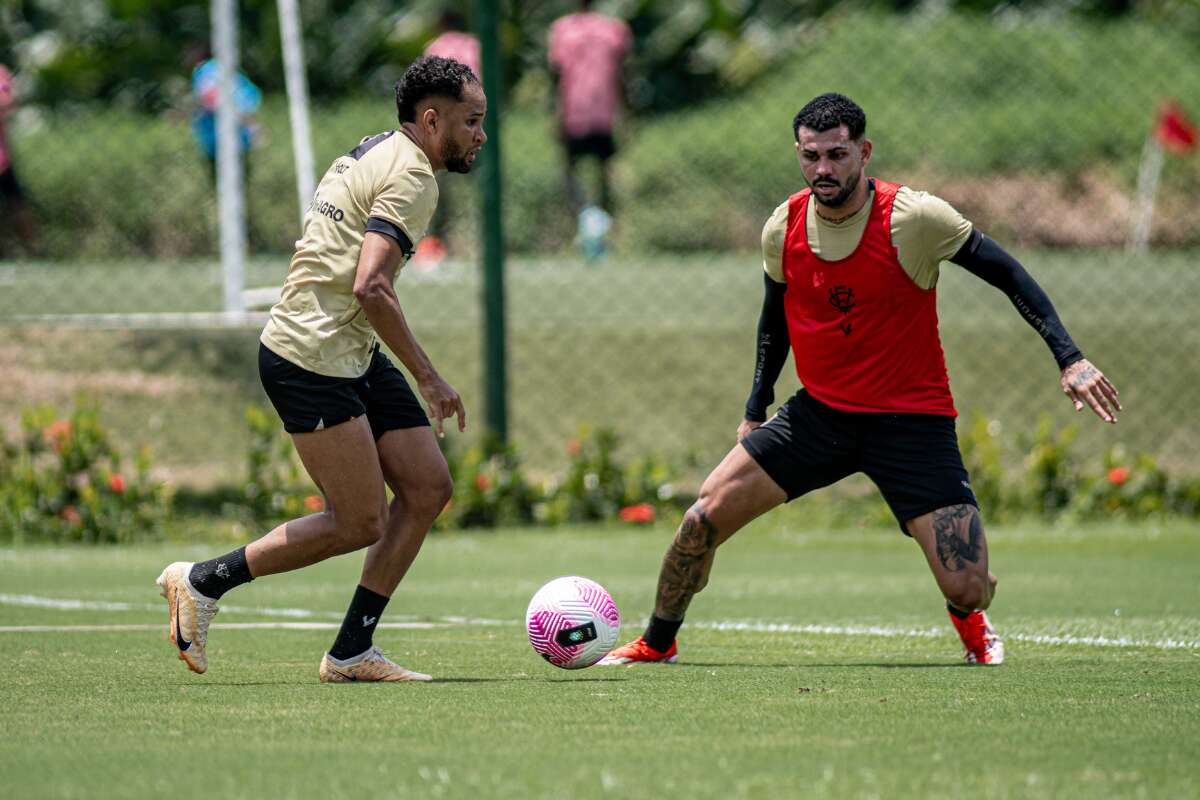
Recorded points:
(443,402)
(1083,383)
(745,427)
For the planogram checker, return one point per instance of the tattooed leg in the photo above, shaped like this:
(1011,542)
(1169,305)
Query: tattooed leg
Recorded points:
(958,533)
(686,564)
(956,549)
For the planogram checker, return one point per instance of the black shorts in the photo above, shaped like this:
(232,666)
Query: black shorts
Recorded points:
(309,402)
(9,187)
(912,458)
(600,145)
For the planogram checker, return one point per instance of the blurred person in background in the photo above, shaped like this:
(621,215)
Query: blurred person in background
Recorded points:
(357,425)
(852,265)
(587,51)
(12,197)
(455,43)
(206,79)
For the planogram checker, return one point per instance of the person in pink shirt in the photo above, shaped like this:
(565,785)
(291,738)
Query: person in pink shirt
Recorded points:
(12,198)
(587,50)
(455,43)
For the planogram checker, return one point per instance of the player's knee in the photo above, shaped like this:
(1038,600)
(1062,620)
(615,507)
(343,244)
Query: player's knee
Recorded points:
(711,501)
(364,529)
(427,497)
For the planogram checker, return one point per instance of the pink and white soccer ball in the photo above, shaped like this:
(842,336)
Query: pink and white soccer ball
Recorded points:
(572,622)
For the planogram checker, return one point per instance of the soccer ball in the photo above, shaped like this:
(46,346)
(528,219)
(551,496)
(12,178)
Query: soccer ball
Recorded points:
(572,622)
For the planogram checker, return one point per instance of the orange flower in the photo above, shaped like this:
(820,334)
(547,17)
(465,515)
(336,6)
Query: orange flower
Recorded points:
(117,484)
(642,514)
(57,433)
(573,447)
(1118,475)
(314,504)
(482,482)
(71,515)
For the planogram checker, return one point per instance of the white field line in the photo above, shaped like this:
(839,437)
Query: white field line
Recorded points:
(245,626)
(933,633)
(751,626)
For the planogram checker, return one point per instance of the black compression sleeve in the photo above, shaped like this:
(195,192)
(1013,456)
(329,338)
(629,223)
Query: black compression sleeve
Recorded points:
(772,350)
(984,258)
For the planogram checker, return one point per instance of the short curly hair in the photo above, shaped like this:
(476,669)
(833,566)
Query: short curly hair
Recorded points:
(430,76)
(828,111)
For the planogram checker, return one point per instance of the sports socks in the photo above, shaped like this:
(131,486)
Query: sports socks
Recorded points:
(660,633)
(358,627)
(958,612)
(217,576)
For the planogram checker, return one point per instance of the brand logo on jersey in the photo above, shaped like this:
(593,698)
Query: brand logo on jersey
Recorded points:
(327,209)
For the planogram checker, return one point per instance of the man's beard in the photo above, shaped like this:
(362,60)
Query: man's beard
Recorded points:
(839,199)
(455,158)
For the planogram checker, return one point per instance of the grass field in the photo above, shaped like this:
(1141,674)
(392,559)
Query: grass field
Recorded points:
(658,349)
(842,679)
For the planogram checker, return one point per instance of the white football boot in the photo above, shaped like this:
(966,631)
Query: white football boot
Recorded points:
(372,665)
(189,614)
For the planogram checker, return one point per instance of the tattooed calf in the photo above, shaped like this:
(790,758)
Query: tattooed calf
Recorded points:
(958,533)
(686,564)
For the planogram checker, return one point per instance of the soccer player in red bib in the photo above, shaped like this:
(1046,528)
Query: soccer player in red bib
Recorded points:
(851,272)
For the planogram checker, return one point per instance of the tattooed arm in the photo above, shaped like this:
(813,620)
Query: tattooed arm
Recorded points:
(1083,383)
(686,565)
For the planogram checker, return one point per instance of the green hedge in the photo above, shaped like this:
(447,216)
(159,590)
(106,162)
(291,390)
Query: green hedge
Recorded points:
(962,98)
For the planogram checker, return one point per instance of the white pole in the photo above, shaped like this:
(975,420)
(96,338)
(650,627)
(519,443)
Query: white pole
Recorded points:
(297,91)
(1147,187)
(229,162)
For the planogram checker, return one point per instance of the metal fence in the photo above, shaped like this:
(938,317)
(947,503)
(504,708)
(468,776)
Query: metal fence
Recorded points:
(1035,127)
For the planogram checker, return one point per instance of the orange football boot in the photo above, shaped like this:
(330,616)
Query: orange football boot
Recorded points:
(638,651)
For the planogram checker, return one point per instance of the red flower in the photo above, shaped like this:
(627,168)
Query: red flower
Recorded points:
(57,433)
(642,514)
(1118,475)
(71,515)
(573,447)
(482,482)
(117,484)
(314,504)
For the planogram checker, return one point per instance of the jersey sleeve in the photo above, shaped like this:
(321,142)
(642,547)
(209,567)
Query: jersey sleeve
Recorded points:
(927,231)
(773,234)
(407,201)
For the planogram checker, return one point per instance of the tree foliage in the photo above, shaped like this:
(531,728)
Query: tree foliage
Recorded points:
(135,53)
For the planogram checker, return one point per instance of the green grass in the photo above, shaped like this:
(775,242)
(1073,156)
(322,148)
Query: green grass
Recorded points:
(747,714)
(659,349)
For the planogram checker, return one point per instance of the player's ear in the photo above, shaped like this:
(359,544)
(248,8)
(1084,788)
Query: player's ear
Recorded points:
(866,151)
(430,118)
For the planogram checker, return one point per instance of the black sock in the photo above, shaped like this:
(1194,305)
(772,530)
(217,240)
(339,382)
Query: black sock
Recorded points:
(958,612)
(660,633)
(217,576)
(359,625)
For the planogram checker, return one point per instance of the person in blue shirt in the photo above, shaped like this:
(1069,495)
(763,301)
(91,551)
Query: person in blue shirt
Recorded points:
(205,87)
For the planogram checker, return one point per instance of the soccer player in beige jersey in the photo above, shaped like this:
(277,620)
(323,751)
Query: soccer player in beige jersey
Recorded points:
(356,424)
(851,271)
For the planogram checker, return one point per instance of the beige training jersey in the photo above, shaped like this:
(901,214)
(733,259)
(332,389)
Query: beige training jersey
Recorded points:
(385,184)
(926,231)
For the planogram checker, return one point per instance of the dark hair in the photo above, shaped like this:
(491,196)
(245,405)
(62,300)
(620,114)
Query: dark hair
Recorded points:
(828,111)
(430,76)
